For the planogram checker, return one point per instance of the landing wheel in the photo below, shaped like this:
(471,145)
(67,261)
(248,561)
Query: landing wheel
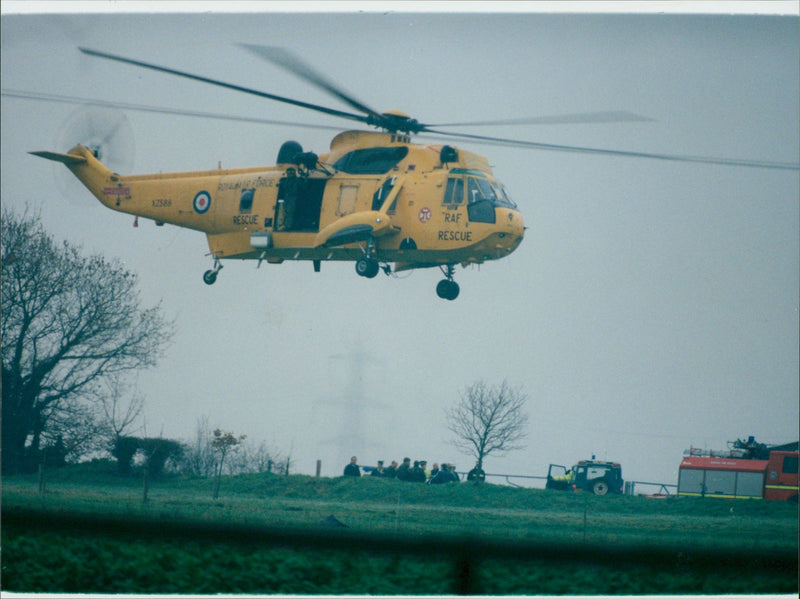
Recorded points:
(210,277)
(447,289)
(367,267)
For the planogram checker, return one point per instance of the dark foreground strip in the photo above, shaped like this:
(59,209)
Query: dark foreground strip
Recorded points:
(467,552)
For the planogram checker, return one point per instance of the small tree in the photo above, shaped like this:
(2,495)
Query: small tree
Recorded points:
(222,443)
(123,449)
(157,451)
(488,420)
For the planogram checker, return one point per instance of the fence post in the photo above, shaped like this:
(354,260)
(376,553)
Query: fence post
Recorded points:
(319,468)
(41,479)
(585,513)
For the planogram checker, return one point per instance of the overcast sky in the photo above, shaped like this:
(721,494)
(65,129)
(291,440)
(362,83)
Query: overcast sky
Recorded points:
(652,306)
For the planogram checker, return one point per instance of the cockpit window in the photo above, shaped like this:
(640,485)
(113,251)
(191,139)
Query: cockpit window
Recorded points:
(486,189)
(371,161)
(481,200)
(489,190)
(483,196)
(474,192)
(501,193)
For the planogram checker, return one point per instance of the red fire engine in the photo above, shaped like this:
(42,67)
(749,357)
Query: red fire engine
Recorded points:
(747,470)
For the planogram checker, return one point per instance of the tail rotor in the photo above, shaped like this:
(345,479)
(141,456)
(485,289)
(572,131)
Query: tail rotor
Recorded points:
(106,132)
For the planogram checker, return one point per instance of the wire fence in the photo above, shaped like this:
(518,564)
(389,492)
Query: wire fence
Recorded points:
(538,482)
(651,489)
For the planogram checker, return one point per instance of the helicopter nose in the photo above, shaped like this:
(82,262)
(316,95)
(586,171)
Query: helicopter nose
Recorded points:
(516,224)
(512,230)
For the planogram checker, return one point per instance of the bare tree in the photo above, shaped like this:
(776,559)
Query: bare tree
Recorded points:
(198,456)
(121,408)
(121,405)
(67,321)
(488,420)
(251,458)
(204,455)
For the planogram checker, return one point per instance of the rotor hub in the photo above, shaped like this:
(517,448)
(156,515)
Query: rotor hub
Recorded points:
(396,121)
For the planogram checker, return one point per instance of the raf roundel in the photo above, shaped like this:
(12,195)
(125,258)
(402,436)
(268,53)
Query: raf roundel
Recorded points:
(424,215)
(202,202)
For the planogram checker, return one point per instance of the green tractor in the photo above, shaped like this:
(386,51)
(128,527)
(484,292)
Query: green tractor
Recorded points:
(595,476)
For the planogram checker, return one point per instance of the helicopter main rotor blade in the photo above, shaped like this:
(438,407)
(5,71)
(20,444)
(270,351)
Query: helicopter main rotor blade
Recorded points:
(402,123)
(239,88)
(628,154)
(558,119)
(28,95)
(288,61)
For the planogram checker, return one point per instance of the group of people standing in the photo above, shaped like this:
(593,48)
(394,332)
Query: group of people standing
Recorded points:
(416,473)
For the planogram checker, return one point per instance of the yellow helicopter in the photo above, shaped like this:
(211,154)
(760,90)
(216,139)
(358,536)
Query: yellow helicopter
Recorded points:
(375,198)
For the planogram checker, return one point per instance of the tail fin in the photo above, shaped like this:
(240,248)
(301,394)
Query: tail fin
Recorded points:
(68,159)
(94,175)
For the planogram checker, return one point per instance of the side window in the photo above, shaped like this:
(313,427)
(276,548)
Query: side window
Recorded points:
(454,193)
(348,195)
(246,201)
(383,192)
(790,464)
(480,208)
(371,161)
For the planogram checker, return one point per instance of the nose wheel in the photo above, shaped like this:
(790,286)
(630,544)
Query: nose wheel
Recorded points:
(447,288)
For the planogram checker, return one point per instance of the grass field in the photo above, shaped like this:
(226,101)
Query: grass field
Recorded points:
(397,538)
